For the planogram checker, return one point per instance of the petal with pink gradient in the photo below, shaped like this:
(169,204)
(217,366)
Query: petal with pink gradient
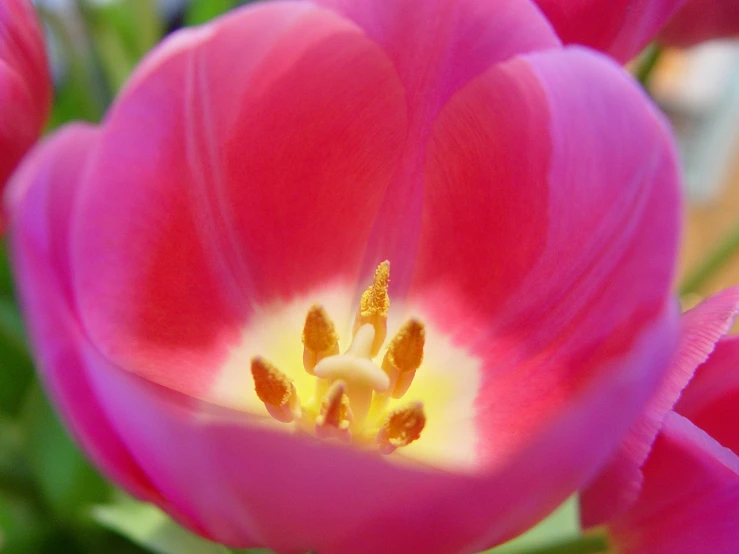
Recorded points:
(690,496)
(619,482)
(259,179)
(41,199)
(439,45)
(701,20)
(25,85)
(211,464)
(620,28)
(436,46)
(504,209)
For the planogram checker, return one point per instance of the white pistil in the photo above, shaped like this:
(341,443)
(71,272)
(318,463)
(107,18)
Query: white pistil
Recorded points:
(361,375)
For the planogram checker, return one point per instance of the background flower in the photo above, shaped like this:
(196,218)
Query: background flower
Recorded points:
(620,28)
(690,498)
(25,87)
(701,20)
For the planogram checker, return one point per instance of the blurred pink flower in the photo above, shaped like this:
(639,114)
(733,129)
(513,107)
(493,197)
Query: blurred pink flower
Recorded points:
(25,86)
(701,20)
(689,499)
(524,194)
(620,28)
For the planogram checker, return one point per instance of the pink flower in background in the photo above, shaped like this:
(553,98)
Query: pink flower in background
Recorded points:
(620,481)
(689,501)
(25,86)
(701,20)
(205,284)
(620,28)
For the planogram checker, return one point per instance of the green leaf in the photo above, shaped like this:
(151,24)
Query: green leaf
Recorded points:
(561,526)
(200,11)
(16,367)
(148,526)
(22,526)
(123,32)
(82,93)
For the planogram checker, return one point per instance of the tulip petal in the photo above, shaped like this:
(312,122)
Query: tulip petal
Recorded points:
(196,212)
(41,198)
(436,46)
(620,28)
(699,20)
(542,210)
(689,499)
(619,483)
(454,40)
(711,401)
(246,482)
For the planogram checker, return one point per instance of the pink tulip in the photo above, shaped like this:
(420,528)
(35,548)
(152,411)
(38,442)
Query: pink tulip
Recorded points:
(25,86)
(170,260)
(620,28)
(689,501)
(701,20)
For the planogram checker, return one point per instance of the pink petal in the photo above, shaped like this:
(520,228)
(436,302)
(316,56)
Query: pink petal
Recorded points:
(246,484)
(690,500)
(436,46)
(548,184)
(619,483)
(700,20)
(711,401)
(245,163)
(25,86)
(620,28)
(439,45)
(41,199)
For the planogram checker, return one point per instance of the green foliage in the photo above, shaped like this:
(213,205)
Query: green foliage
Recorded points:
(200,11)
(152,528)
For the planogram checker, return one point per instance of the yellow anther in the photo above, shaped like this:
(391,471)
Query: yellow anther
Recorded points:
(403,357)
(335,416)
(272,386)
(319,333)
(405,351)
(275,389)
(401,427)
(374,306)
(319,337)
(375,300)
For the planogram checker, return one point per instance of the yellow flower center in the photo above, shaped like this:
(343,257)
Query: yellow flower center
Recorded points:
(350,402)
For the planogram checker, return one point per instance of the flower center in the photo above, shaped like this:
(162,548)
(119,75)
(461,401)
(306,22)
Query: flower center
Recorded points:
(350,402)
